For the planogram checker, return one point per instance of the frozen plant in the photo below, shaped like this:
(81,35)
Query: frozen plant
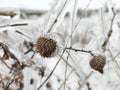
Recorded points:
(72,46)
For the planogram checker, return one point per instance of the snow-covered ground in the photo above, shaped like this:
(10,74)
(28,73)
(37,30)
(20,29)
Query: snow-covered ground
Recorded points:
(93,19)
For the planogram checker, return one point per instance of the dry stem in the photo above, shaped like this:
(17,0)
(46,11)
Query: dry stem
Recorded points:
(110,31)
(80,50)
(57,17)
(16,24)
(51,72)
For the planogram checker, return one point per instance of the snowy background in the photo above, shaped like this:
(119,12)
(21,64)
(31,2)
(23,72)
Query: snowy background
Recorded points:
(84,24)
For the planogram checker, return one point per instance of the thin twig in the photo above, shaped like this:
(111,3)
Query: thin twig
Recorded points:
(110,30)
(102,21)
(77,24)
(77,74)
(13,25)
(82,15)
(9,83)
(113,58)
(73,14)
(6,64)
(66,67)
(66,79)
(73,17)
(77,66)
(32,55)
(23,34)
(88,85)
(54,22)
(80,50)
(67,62)
(29,50)
(7,51)
(51,72)
(12,80)
(85,80)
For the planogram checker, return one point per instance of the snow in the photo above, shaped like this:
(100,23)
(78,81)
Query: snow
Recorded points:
(89,35)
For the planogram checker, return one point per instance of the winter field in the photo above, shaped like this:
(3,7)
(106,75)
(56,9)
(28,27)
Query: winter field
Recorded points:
(60,45)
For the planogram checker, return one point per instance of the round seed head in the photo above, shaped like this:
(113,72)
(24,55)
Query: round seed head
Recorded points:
(45,46)
(98,63)
(49,44)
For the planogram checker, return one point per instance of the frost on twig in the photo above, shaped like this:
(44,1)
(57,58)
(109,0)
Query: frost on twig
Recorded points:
(110,30)
(36,59)
(79,50)
(13,25)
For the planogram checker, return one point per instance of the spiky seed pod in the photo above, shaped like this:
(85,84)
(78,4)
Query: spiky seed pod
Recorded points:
(45,46)
(49,44)
(98,63)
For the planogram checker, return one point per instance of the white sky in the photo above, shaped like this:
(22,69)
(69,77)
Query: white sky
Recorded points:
(46,4)
(28,4)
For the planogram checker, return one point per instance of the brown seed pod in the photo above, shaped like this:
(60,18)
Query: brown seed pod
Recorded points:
(45,46)
(98,63)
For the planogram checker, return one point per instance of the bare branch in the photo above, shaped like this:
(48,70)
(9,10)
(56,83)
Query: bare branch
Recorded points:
(80,50)
(110,31)
(66,67)
(57,17)
(66,79)
(13,25)
(51,72)
(85,80)
(9,83)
